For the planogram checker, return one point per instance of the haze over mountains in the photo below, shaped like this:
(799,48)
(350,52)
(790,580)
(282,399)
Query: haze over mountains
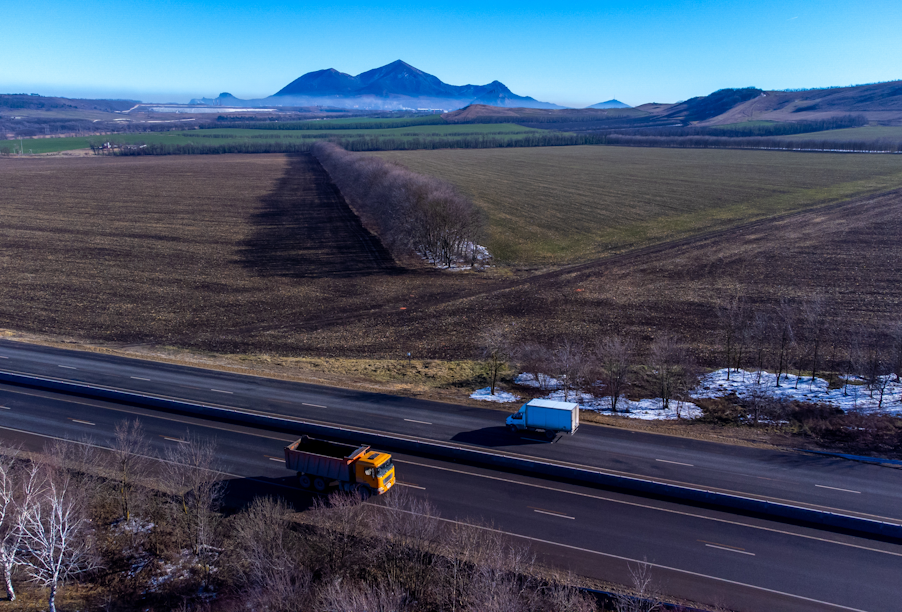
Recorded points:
(395,86)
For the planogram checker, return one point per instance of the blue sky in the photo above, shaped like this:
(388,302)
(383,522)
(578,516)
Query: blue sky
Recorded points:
(572,53)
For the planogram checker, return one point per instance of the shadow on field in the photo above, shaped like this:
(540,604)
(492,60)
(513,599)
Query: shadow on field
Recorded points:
(305,229)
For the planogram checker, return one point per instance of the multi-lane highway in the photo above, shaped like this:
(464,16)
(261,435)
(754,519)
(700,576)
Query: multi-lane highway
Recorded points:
(708,556)
(792,477)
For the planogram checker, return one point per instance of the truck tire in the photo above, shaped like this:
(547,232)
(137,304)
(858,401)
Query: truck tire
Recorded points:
(512,429)
(304,481)
(319,485)
(364,492)
(550,435)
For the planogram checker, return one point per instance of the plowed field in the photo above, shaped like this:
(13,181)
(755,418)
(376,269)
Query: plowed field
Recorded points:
(259,254)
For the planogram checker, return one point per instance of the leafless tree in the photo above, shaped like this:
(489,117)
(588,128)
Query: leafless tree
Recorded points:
(270,568)
(814,323)
(129,463)
(20,487)
(534,359)
(192,476)
(341,522)
(731,315)
(645,597)
(57,534)
(568,361)
(759,328)
(496,352)
(668,361)
(351,596)
(785,335)
(615,359)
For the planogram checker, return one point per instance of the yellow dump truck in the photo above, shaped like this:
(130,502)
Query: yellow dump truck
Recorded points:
(321,464)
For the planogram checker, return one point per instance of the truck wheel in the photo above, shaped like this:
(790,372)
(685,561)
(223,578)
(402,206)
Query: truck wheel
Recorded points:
(319,484)
(550,435)
(512,428)
(304,481)
(364,492)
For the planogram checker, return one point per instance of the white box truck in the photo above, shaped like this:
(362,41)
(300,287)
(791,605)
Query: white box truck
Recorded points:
(545,415)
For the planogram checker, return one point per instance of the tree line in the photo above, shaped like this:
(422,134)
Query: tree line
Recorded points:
(410,213)
(328,124)
(138,531)
(754,128)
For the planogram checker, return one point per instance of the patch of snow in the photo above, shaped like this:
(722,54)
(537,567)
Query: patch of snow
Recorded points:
(538,381)
(854,397)
(500,396)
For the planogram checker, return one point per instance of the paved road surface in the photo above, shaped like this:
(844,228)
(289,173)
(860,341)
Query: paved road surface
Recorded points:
(708,556)
(799,478)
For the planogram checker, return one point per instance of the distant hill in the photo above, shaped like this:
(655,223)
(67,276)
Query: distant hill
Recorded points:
(610,104)
(395,86)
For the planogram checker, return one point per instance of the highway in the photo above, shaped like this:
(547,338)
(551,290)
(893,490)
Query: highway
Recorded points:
(712,557)
(791,477)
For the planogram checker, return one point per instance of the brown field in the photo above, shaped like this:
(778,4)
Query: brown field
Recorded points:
(257,255)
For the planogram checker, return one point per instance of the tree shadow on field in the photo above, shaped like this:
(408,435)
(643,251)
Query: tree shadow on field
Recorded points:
(305,229)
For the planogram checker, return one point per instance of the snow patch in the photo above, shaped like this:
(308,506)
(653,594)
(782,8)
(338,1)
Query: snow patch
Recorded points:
(500,396)
(855,397)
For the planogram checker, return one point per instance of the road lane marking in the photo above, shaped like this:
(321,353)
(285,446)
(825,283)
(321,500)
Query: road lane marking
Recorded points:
(736,549)
(674,462)
(138,378)
(221,391)
(5,408)
(551,513)
(411,486)
(415,421)
(656,508)
(271,458)
(82,422)
(639,561)
(2,357)
(67,367)
(179,440)
(838,489)
(314,405)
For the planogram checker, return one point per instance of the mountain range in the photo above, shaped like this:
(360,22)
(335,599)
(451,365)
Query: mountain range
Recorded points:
(395,86)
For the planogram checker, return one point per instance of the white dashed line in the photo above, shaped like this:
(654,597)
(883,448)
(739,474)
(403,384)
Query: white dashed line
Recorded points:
(68,367)
(741,552)
(674,462)
(838,489)
(314,405)
(421,422)
(82,422)
(221,391)
(138,378)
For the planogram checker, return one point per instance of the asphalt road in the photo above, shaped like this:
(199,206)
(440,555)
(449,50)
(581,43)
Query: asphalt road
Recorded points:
(792,477)
(707,556)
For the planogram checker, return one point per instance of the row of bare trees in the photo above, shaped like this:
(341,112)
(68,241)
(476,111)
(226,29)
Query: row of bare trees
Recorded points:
(410,212)
(608,368)
(802,337)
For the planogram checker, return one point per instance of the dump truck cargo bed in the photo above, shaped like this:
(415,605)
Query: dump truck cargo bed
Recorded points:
(329,460)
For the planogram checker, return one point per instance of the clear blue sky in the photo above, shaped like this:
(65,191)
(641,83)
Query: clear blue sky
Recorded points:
(572,53)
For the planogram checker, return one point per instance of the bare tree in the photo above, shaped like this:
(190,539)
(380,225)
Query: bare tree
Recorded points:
(534,359)
(668,360)
(191,474)
(568,361)
(56,533)
(785,335)
(270,569)
(20,486)
(496,352)
(615,358)
(814,324)
(731,315)
(645,597)
(129,464)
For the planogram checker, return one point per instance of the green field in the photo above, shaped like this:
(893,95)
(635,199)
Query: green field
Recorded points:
(223,135)
(868,132)
(553,205)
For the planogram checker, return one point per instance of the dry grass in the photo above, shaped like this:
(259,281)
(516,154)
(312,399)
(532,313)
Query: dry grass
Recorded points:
(552,205)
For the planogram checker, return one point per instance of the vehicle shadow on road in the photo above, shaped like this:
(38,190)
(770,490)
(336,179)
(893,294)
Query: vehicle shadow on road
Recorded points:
(305,229)
(498,436)
(239,493)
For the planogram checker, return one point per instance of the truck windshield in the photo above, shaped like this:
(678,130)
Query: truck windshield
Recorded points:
(384,469)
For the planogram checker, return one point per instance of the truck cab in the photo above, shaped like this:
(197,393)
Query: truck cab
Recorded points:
(375,470)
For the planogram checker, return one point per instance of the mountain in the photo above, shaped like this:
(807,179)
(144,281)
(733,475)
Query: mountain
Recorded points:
(610,104)
(395,86)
